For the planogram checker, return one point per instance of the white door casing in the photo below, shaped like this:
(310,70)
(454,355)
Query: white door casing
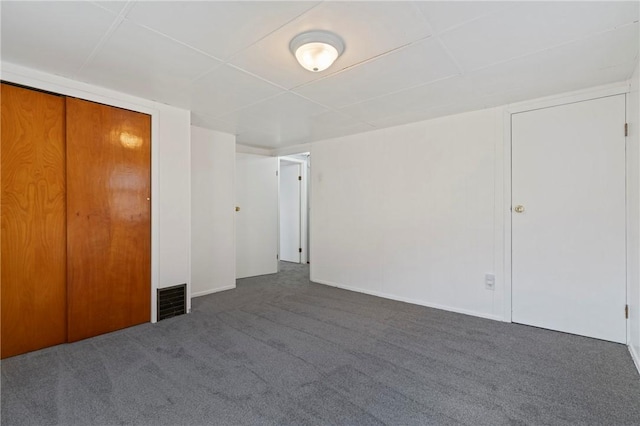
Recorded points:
(568,245)
(290,211)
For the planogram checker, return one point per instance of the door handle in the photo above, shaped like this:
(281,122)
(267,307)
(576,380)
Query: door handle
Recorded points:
(237,208)
(518,209)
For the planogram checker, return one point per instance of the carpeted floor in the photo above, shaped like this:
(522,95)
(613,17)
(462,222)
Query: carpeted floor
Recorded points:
(281,350)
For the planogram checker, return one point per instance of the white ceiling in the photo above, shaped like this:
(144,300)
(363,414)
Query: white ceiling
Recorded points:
(229,62)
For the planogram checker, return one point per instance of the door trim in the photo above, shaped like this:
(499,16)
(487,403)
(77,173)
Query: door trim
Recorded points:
(304,217)
(503,215)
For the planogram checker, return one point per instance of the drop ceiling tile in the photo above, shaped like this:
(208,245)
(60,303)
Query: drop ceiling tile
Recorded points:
(227,89)
(219,28)
(276,113)
(415,100)
(528,27)
(516,52)
(367,28)
(419,63)
(600,59)
(566,83)
(443,15)
(429,114)
(45,35)
(290,133)
(201,120)
(113,6)
(284,119)
(258,139)
(333,120)
(328,132)
(146,64)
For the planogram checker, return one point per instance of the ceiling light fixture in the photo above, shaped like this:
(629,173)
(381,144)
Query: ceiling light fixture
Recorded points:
(316,50)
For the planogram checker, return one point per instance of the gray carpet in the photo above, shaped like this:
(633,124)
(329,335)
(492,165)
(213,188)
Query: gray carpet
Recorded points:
(281,350)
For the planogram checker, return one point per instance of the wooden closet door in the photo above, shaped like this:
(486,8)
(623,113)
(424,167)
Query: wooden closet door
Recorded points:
(108,218)
(33,221)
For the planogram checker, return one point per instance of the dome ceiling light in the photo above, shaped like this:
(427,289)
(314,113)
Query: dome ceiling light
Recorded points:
(316,50)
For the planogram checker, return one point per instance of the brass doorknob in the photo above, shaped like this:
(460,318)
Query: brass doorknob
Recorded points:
(518,209)
(237,208)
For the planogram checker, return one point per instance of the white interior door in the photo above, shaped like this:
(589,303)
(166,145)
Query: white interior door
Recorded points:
(568,245)
(257,218)
(290,211)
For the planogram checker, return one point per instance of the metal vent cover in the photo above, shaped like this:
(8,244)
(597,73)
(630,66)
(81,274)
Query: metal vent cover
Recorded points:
(172,301)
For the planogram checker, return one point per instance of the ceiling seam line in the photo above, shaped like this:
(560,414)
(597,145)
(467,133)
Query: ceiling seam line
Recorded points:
(120,17)
(364,61)
(105,37)
(448,52)
(257,76)
(217,117)
(566,43)
(295,18)
(181,43)
(332,109)
(484,15)
(449,77)
(204,73)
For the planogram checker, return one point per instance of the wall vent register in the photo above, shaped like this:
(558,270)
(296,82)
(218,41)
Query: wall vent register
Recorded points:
(172,301)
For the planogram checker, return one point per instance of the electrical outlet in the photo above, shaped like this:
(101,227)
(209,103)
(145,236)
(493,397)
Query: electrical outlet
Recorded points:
(489,281)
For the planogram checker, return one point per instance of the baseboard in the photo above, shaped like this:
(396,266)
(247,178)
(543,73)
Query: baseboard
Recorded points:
(635,356)
(215,290)
(412,301)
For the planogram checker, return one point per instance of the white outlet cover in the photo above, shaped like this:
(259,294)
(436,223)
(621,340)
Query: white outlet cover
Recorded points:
(490,281)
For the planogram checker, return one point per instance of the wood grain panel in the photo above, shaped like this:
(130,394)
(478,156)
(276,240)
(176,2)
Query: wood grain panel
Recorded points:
(33,220)
(108,218)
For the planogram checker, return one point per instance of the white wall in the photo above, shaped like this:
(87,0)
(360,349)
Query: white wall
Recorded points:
(170,176)
(420,212)
(409,212)
(633,215)
(174,163)
(213,255)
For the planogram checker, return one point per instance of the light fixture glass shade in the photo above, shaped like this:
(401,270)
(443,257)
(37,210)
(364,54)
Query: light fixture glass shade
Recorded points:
(316,57)
(316,50)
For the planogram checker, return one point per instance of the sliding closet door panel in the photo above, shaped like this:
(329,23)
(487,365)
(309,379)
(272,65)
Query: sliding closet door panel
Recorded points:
(33,221)
(108,218)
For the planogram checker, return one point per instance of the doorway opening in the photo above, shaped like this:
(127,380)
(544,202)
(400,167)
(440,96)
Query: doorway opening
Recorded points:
(293,208)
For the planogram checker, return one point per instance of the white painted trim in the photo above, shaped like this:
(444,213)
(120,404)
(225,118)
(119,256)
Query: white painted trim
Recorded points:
(628,162)
(278,171)
(215,290)
(547,102)
(245,149)
(235,217)
(304,223)
(635,356)
(506,212)
(305,195)
(36,79)
(188,287)
(498,218)
(291,160)
(409,300)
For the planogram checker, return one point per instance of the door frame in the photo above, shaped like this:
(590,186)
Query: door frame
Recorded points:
(503,182)
(300,165)
(66,87)
(304,206)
